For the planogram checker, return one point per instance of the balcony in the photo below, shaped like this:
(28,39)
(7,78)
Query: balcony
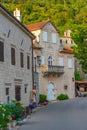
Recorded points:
(54,70)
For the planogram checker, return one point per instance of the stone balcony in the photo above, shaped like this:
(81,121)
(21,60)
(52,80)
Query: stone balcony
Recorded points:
(54,70)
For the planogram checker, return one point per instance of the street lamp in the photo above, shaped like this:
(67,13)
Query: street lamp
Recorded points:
(39,62)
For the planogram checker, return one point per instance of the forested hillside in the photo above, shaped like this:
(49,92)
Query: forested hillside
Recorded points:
(65,14)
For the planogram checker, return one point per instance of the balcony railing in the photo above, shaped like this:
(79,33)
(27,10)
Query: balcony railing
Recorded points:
(55,70)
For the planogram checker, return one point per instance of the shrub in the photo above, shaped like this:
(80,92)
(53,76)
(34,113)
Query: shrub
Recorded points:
(16,109)
(4,116)
(85,95)
(62,97)
(42,97)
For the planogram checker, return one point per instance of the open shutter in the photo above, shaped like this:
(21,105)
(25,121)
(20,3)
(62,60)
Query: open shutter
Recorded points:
(43,60)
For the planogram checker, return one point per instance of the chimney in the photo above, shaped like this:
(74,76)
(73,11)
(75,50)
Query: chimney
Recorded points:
(17,14)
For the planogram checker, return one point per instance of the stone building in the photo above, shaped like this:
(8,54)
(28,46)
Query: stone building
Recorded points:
(15,59)
(55,64)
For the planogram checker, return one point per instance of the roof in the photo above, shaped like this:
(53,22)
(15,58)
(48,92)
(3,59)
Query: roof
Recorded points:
(81,82)
(67,50)
(17,22)
(39,25)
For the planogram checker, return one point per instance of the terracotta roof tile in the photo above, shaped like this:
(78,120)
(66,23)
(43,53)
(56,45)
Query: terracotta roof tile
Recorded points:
(67,50)
(37,26)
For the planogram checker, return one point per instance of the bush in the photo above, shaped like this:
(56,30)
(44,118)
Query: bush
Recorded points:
(85,95)
(62,97)
(4,116)
(16,109)
(42,97)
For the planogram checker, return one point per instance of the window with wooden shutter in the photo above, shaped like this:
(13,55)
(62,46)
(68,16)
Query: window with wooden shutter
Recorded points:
(12,56)
(1,51)
(61,61)
(21,59)
(43,60)
(70,63)
(45,36)
(28,62)
(54,40)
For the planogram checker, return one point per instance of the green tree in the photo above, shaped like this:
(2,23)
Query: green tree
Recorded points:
(80,38)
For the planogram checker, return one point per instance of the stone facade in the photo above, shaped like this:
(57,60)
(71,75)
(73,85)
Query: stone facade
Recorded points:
(15,81)
(56,71)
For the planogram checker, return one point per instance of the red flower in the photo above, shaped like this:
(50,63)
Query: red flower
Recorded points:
(12,116)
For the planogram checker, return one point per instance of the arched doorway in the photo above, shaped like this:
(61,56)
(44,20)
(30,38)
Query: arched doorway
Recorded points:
(50,95)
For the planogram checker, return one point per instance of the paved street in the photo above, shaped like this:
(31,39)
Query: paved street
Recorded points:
(64,115)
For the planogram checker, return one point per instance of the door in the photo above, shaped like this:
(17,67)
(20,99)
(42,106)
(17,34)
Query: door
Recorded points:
(50,92)
(18,93)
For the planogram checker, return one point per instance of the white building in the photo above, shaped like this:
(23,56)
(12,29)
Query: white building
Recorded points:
(15,59)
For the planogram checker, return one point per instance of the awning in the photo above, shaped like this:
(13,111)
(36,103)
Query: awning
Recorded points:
(81,82)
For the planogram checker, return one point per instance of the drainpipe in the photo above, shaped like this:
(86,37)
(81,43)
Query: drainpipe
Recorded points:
(32,68)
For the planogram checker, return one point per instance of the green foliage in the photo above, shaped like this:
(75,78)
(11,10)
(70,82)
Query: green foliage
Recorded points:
(80,37)
(65,14)
(77,76)
(62,97)
(42,97)
(85,95)
(10,111)
(4,116)
(16,109)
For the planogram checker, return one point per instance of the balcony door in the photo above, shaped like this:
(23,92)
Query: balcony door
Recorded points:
(50,95)
(50,60)
(18,92)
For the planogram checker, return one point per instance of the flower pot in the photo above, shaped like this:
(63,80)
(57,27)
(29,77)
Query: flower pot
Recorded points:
(13,123)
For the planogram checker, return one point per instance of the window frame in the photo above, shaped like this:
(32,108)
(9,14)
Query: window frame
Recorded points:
(7,91)
(70,63)
(28,62)
(13,56)
(54,38)
(1,51)
(44,36)
(21,59)
(50,60)
(61,61)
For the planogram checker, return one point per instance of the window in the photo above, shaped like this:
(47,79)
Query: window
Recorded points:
(43,60)
(7,91)
(21,59)
(1,51)
(12,56)
(50,60)
(45,36)
(54,38)
(66,41)
(25,89)
(38,59)
(28,62)
(60,40)
(61,61)
(18,93)
(70,63)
